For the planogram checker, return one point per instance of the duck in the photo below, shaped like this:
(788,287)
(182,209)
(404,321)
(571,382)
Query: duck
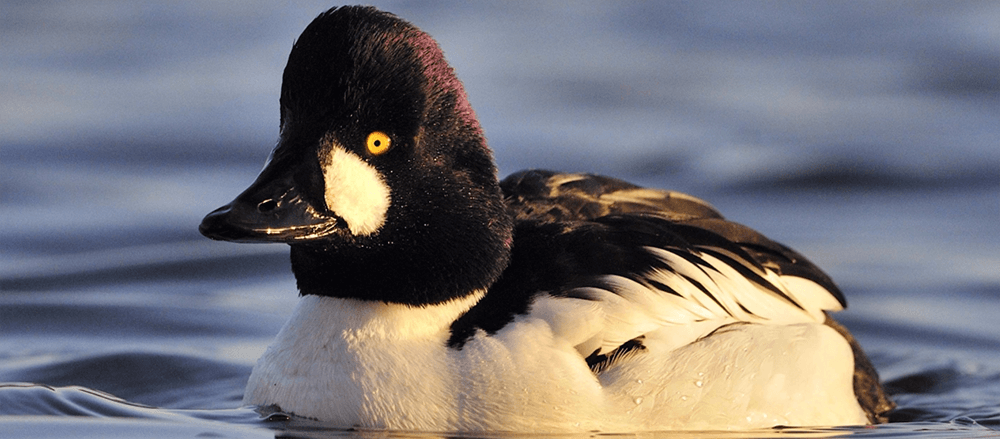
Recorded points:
(436,297)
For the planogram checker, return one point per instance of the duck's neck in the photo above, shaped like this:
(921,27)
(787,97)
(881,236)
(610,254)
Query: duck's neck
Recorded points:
(386,274)
(440,257)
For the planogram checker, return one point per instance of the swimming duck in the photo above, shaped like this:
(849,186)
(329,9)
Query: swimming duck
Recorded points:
(435,297)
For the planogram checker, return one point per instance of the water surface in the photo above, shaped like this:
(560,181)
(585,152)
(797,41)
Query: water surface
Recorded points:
(862,134)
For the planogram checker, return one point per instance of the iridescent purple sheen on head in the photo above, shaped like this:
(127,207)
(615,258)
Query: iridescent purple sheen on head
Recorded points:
(437,71)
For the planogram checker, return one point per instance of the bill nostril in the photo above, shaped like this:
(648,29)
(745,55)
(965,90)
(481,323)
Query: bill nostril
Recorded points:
(267,206)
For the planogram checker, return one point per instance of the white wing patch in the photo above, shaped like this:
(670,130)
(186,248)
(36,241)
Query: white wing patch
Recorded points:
(680,305)
(355,191)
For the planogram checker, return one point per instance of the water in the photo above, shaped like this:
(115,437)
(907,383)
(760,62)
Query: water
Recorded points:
(862,134)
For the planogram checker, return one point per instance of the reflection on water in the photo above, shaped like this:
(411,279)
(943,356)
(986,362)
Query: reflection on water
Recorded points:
(862,134)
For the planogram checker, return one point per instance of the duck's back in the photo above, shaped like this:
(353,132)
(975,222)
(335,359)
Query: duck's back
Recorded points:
(547,196)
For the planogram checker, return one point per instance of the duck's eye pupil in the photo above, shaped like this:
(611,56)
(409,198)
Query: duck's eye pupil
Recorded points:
(378,142)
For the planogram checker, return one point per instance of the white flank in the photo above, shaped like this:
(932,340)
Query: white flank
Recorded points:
(355,191)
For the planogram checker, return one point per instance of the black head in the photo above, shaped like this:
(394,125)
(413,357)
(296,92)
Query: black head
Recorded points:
(381,180)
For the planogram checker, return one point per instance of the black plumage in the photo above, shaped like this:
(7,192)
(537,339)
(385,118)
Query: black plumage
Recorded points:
(574,229)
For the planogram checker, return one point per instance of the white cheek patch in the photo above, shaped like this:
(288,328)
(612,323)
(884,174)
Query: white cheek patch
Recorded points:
(355,191)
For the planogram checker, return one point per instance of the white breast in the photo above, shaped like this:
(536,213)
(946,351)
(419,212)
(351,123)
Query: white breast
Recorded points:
(359,363)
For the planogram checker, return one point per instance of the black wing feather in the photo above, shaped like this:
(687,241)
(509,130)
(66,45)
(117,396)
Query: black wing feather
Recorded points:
(540,195)
(573,229)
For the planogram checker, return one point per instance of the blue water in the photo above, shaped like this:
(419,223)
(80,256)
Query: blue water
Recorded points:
(863,134)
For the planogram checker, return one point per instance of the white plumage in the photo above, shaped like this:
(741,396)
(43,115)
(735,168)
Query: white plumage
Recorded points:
(357,363)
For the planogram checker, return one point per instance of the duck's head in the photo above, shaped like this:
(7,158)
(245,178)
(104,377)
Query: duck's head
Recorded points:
(381,180)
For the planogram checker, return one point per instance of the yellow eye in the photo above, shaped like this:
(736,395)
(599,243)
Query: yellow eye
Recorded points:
(378,142)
